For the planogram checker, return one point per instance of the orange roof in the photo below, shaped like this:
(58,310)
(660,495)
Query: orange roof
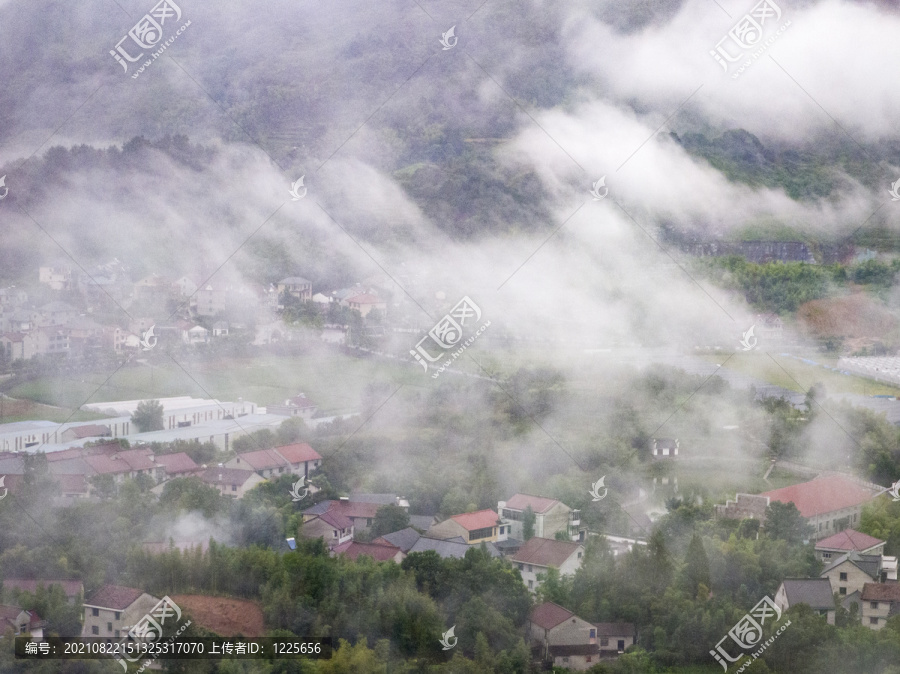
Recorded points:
(481,519)
(822,495)
(849,539)
(539,504)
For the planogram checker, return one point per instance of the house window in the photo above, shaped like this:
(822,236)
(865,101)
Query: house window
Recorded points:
(118,615)
(529,568)
(826,555)
(530,584)
(580,554)
(842,590)
(843,576)
(521,567)
(234,487)
(109,627)
(95,611)
(873,621)
(873,604)
(604,641)
(587,658)
(116,635)
(95,629)
(334,531)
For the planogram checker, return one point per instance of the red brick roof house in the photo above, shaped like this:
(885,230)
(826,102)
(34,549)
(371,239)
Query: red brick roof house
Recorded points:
(482,525)
(360,513)
(112,610)
(538,555)
(559,636)
(829,504)
(298,406)
(297,459)
(86,431)
(878,602)
(849,540)
(330,525)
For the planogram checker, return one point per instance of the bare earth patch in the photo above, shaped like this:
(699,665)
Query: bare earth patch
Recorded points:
(224,616)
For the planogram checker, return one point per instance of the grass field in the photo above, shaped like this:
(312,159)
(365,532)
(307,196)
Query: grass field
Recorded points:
(333,380)
(796,375)
(12,409)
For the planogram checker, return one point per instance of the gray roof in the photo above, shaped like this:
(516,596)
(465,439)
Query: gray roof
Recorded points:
(320,508)
(850,599)
(294,280)
(815,592)
(423,522)
(403,539)
(448,548)
(869,564)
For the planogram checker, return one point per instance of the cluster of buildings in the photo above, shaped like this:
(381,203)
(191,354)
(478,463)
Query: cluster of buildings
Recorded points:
(69,328)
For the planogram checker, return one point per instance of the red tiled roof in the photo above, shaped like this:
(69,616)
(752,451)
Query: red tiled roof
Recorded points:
(179,462)
(335,519)
(539,504)
(72,588)
(548,615)
(138,459)
(481,519)
(107,465)
(301,401)
(115,597)
(262,459)
(355,549)
(881,592)
(545,551)
(72,484)
(848,539)
(298,452)
(822,495)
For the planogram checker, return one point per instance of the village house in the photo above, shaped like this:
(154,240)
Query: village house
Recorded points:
(298,406)
(177,464)
(58,277)
(562,638)
(18,345)
(550,517)
(404,539)
(538,555)
(744,506)
(829,504)
(451,548)
(231,482)
(21,622)
(332,526)
(848,540)
(664,448)
(361,514)
(112,610)
(73,589)
(365,303)
(615,637)
(297,458)
(296,286)
(85,432)
(850,572)
(878,602)
(482,525)
(814,592)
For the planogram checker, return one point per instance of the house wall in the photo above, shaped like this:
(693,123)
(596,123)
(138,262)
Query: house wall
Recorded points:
(316,528)
(610,644)
(555,519)
(856,578)
(828,555)
(127,618)
(879,613)
(578,663)
(825,524)
(573,631)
